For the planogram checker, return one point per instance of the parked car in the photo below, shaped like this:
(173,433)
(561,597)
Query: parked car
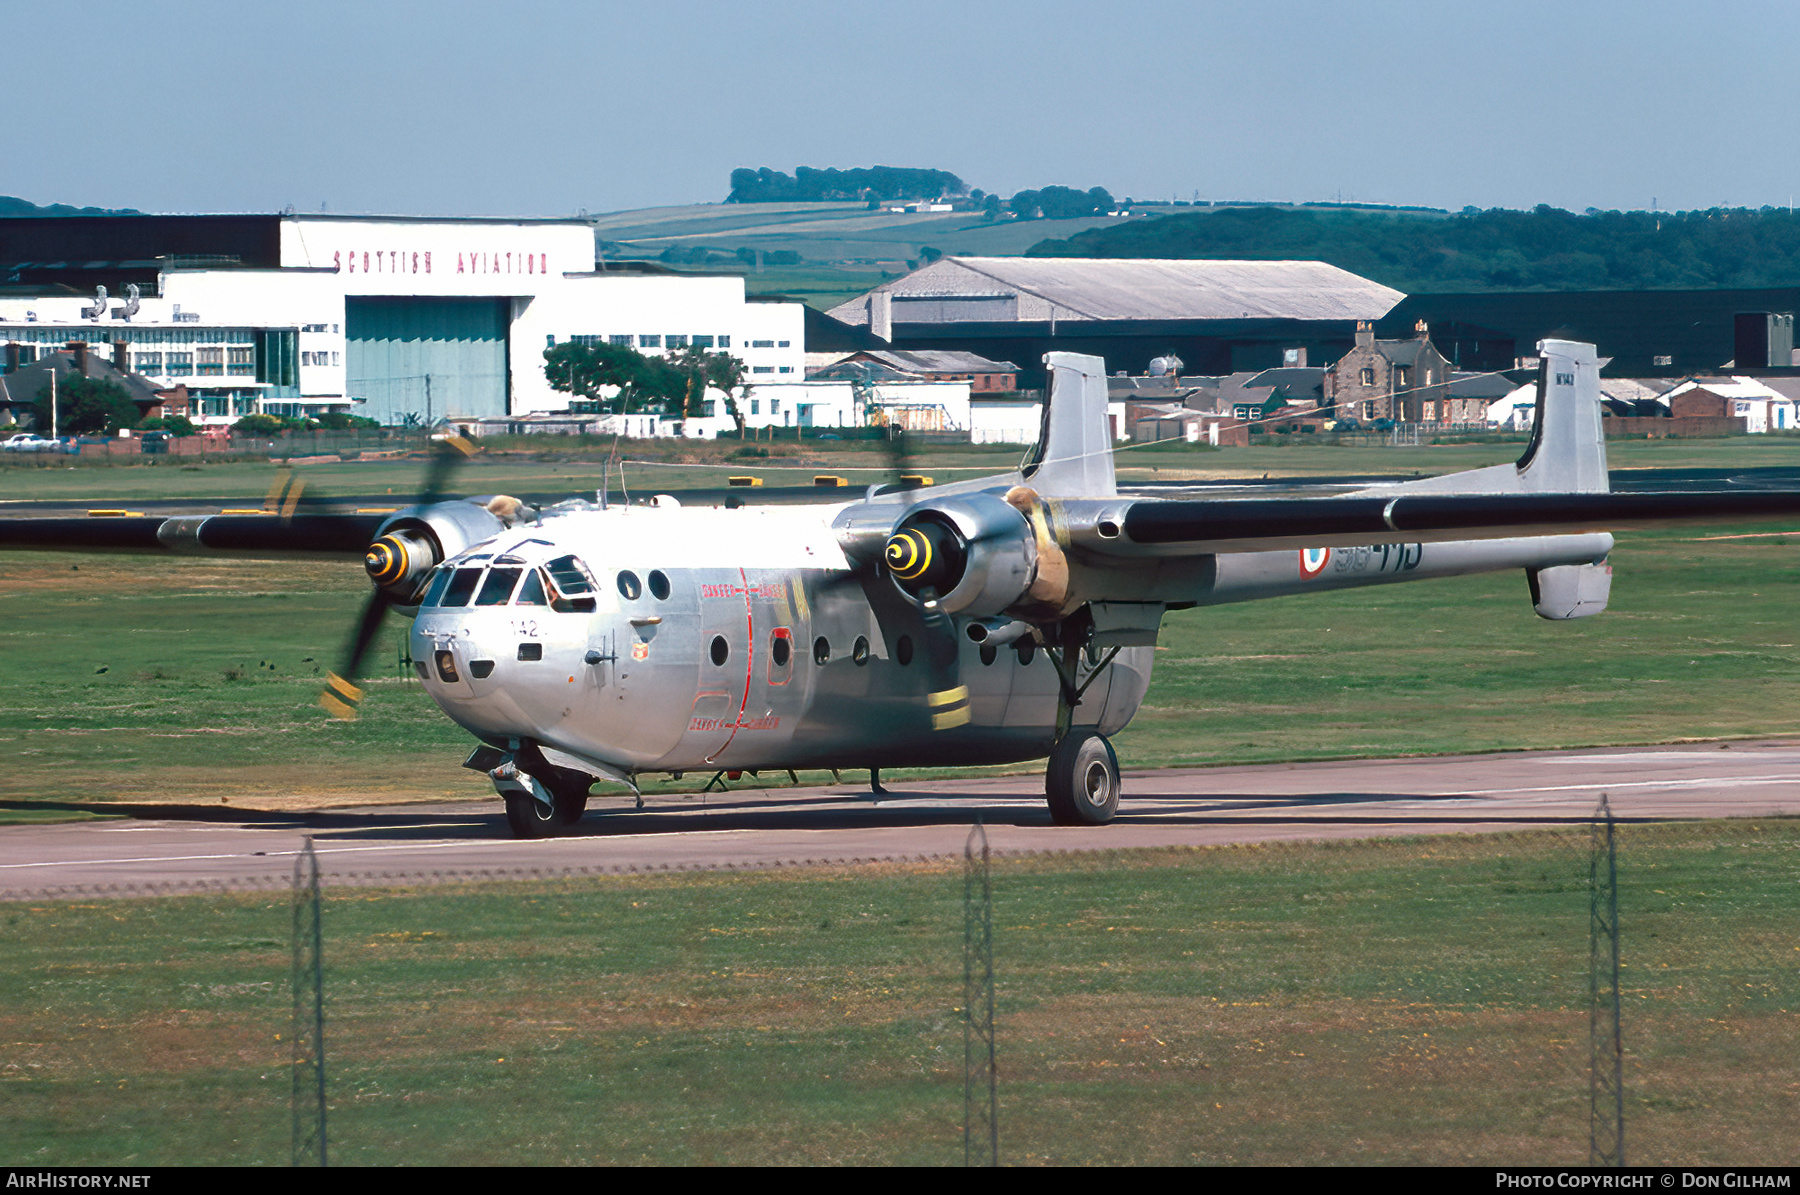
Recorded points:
(28,442)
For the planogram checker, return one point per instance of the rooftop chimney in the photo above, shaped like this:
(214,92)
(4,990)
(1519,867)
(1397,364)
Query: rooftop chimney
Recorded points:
(1420,331)
(1365,334)
(122,356)
(78,348)
(881,315)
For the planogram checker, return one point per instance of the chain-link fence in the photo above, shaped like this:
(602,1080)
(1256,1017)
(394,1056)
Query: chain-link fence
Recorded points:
(1415,1000)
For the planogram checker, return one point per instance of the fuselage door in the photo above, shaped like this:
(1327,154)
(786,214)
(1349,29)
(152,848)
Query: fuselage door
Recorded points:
(727,663)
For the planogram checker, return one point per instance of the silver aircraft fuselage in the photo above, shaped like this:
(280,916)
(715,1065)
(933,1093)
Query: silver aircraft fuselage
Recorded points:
(667,639)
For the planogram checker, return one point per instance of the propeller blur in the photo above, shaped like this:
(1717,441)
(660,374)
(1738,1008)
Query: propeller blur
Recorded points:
(990,621)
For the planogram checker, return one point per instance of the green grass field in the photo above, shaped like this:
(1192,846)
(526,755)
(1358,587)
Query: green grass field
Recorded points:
(1401,1001)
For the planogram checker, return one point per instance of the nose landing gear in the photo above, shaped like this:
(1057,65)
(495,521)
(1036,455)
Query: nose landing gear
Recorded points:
(543,801)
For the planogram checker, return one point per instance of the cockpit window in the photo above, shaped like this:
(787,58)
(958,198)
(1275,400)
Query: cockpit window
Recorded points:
(435,590)
(569,576)
(498,587)
(461,587)
(532,592)
(571,588)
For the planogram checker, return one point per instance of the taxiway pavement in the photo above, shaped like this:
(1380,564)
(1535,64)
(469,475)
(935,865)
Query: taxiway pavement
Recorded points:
(763,827)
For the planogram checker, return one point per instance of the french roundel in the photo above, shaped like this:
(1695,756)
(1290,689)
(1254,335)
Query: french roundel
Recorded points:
(1313,561)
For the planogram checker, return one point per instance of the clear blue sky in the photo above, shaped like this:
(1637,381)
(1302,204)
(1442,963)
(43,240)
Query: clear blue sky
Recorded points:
(546,107)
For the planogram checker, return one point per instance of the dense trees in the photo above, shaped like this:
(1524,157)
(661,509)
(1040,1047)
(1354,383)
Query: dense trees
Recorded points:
(11,205)
(1543,249)
(1061,203)
(807,183)
(629,381)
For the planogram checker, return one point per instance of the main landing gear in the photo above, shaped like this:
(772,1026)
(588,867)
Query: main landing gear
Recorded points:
(1081,782)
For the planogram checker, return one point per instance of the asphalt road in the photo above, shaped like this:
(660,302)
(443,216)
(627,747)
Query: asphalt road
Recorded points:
(776,827)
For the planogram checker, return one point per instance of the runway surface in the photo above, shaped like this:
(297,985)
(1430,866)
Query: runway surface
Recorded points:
(773,827)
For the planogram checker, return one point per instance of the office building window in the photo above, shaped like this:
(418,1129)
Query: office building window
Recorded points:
(622,340)
(649,342)
(675,341)
(703,342)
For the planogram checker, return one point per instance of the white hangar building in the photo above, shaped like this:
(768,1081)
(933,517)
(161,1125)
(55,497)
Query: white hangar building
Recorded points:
(387,317)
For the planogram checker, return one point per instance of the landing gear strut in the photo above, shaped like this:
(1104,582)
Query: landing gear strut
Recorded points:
(1081,782)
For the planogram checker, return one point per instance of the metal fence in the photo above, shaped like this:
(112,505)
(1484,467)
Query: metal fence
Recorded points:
(1423,1000)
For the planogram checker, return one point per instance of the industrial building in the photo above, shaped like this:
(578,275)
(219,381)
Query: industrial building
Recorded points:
(394,318)
(1217,316)
(1647,333)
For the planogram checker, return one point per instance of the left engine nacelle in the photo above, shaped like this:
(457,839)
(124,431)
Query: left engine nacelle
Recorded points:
(972,555)
(419,538)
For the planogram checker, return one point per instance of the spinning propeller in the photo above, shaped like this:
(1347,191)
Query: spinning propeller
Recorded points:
(397,563)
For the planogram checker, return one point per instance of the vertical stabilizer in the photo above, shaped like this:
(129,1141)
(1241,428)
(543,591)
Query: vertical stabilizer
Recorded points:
(1073,457)
(1567,454)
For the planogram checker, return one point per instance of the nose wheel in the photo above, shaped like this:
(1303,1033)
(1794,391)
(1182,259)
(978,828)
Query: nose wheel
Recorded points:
(1081,782)
(529,817)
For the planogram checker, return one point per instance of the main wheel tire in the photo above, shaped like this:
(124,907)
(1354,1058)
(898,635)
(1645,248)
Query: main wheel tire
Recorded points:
(1081,782)
(571,803)
(529,818)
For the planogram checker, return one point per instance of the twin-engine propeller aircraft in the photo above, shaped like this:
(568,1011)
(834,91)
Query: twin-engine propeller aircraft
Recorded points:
(984,622)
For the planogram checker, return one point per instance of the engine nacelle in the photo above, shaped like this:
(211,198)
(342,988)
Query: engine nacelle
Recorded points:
(419,538)
(972,555)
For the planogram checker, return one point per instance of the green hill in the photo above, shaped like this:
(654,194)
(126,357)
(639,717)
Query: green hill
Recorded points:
(1498,250)
(844,248)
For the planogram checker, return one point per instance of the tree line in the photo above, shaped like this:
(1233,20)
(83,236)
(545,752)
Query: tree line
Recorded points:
(628,381)
(810,184)
(1493,250)
(887,183)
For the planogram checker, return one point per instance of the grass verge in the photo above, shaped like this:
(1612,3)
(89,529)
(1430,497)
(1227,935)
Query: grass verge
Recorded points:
(1397,1001)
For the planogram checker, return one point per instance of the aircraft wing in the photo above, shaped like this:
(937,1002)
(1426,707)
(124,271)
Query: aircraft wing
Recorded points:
(1170,527)
(270,536)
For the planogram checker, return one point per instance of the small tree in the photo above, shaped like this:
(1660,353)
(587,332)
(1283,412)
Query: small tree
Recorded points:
(340,421)
(86,407)
(259,425)
(727,373)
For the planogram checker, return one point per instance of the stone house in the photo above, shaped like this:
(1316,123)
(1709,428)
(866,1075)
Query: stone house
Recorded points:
(1406,381)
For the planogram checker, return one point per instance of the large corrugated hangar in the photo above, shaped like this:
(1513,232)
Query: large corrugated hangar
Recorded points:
(1217,316)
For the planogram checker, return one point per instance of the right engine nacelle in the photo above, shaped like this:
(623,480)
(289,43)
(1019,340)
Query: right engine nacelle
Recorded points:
(972,555)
